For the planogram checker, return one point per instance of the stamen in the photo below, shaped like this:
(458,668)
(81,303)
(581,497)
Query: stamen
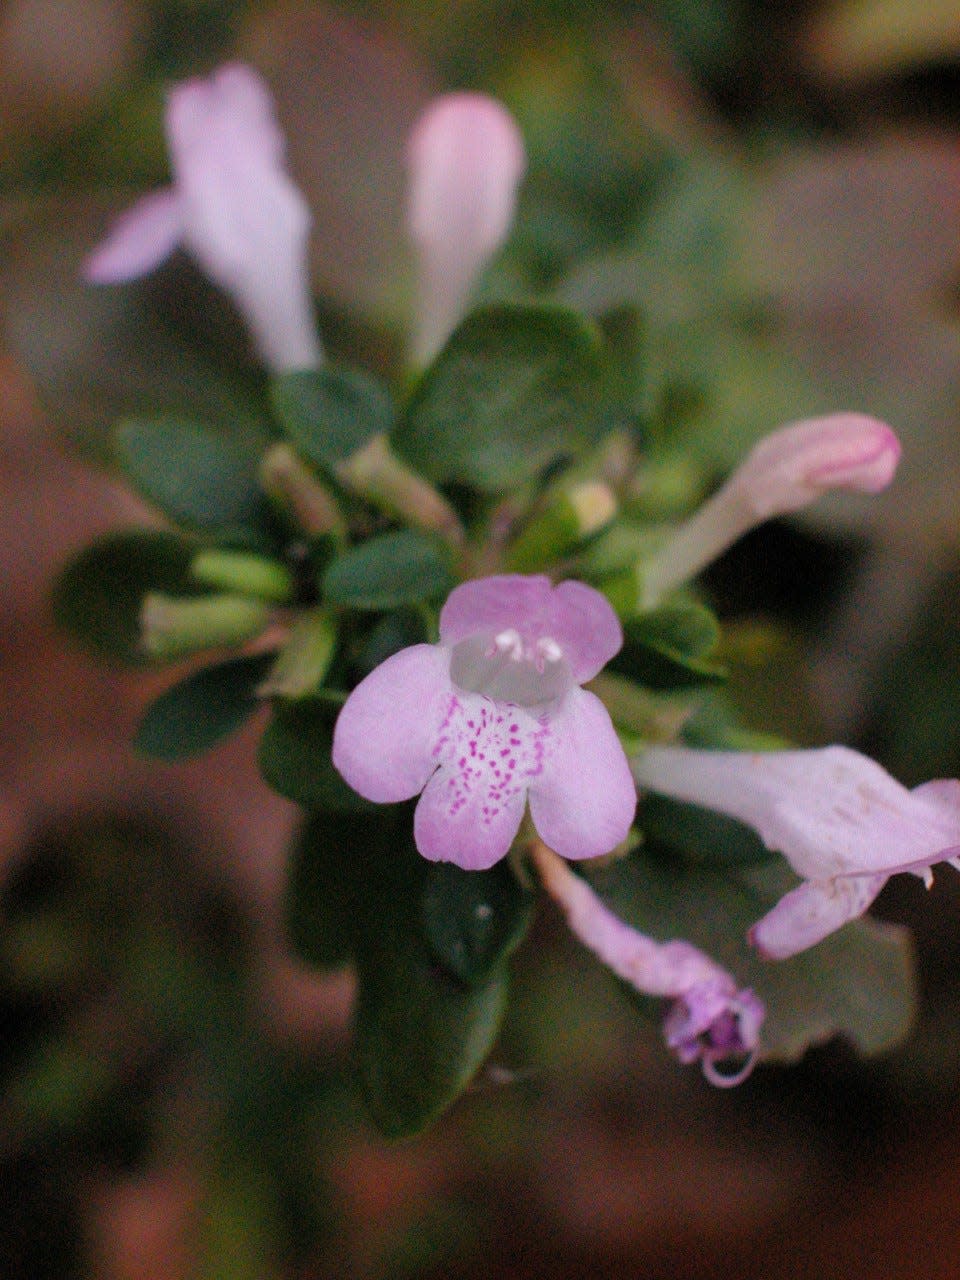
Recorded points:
(509,643)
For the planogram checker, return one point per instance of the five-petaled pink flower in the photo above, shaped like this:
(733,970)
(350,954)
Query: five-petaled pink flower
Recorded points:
(493,716)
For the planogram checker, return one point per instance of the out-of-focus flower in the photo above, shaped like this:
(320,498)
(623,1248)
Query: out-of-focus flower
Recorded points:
(842,822)
(787,470)
(233,207)
(710,1019)
(465,159)
(492,716)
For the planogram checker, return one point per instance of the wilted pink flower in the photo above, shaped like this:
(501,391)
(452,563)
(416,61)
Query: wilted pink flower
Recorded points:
(787,470)
(492,716)
(709,1021)
(465,159)
(842,822)
(233,207)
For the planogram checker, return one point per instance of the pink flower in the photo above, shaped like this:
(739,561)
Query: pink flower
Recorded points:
(465,159)
(709,1021)
(493,716)
(784,472)
(232,206)
(842,822)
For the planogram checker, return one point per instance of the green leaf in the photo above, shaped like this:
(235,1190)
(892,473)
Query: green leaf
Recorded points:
(390,634)
(667,647)
(331,413)
(97,598)
(515,389)
(698,835)
(294,756)
(200,711)
(859,982)
(474,919)
(195,476)
(420,1033)
(404,567)
(329,868)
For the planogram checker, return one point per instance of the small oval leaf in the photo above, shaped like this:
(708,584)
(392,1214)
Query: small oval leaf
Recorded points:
(195,476)
(515,389)
(474,920)
(98,596)
(294,757)
(394,569)
(331,413)
(200,711)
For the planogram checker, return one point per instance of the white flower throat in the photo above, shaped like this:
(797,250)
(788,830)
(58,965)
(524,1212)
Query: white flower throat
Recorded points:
(509,667)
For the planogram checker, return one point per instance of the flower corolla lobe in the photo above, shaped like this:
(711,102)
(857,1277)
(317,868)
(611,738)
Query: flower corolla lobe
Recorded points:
(493,717)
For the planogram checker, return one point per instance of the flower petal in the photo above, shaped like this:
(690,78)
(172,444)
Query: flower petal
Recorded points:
(139,239)
(578,618)
(385,735)
(583,801)
(487,752)
(807,914)
(830,811)
(449,827)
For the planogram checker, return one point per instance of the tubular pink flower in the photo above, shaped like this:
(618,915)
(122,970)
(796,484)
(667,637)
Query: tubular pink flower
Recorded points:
(709,1021)
(841,821)
(492,716)
(465,159)
(787,470)
(233,207)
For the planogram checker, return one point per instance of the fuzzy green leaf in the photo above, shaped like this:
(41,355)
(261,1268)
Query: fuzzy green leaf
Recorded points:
(98,596)
(331,413)
(474,919)
(515,389)
(404,567)
(294,756)
(200,711)
(198,478)
(668,647)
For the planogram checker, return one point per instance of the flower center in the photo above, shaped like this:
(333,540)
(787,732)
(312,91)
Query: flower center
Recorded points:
(509,667)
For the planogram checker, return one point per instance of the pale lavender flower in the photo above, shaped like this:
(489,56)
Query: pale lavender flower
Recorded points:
(465,159)
(493,716)
(710,1019)
(786,471)
(841,821)
(233,207)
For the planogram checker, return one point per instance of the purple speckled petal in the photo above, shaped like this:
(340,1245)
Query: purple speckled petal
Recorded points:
(139,239)
(577,617)
(488,752)
(583,801)
(384,738)
(807,914)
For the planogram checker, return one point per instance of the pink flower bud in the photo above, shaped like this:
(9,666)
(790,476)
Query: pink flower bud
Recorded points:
(787,470)
(465,159)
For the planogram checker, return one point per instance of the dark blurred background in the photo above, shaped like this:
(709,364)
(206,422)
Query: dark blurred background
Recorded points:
(773,189)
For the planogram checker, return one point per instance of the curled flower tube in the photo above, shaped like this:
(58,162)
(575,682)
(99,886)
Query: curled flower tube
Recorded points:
(465,159)
(710,1020)
(786,471)
(841,821)
(233,207)
(493,717)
